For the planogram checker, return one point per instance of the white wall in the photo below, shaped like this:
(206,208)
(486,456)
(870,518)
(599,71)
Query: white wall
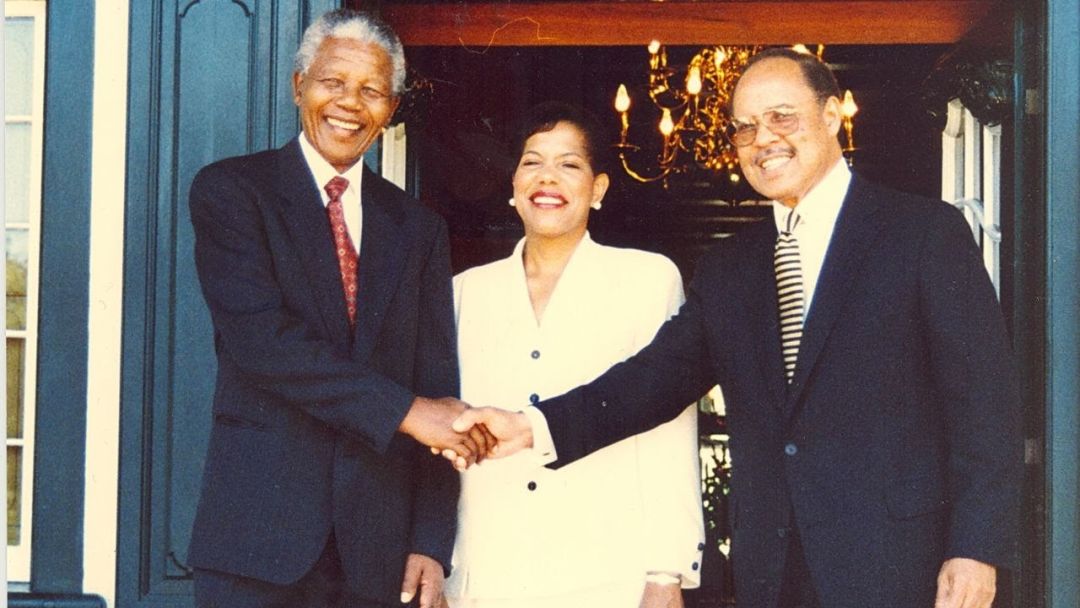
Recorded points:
(105,297)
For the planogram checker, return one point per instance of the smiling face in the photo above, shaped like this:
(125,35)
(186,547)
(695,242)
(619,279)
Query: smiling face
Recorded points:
(785,168)
(345,99)
(554,183)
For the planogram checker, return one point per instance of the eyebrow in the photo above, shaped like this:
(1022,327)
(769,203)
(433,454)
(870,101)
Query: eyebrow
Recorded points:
(580,155)
(780,106)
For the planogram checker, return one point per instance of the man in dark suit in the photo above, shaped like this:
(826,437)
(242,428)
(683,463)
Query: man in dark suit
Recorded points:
(330,294)
(865,366)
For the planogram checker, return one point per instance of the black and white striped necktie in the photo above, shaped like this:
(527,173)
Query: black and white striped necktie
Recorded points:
(789,291)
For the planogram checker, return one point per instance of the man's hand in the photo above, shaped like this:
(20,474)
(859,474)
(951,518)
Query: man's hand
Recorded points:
(427,574)
(511,431)
(965,583)
(657,595)
(429,420)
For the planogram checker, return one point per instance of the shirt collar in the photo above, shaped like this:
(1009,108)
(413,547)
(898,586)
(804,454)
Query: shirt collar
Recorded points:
(323,171)
(585,244)
(821,205)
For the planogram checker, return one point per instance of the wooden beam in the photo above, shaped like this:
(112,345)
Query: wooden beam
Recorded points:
(606,23)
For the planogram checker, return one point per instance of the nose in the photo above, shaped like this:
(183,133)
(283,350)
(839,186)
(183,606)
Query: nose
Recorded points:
(546,174)
(350,98)
(764,136)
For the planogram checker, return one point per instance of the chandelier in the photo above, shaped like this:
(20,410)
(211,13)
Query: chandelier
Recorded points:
(696,139)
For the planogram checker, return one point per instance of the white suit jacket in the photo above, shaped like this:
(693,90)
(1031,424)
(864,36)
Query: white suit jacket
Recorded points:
(525,530)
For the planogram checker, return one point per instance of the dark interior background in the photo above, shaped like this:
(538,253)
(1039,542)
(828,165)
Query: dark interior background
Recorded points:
(461,119)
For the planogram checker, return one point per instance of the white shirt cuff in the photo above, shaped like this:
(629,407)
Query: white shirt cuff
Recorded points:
(543,445)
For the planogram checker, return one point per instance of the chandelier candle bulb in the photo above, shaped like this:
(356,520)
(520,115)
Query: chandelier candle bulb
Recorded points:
(622,106)
(622,99)
(693,80)
(847,112)
(718,58)
(667,126)
(848,106)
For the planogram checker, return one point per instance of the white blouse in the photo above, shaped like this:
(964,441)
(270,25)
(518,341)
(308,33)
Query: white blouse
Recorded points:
(633,507)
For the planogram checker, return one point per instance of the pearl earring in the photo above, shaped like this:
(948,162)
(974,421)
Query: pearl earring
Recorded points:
(596,206)
(511,201)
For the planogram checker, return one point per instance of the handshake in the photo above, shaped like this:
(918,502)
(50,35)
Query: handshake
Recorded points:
(465,435)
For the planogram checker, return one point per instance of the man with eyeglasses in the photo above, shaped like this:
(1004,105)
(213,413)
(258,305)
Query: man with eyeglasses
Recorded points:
(865,365)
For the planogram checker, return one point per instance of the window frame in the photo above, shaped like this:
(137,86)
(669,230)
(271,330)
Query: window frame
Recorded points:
(971,181)
(19,556)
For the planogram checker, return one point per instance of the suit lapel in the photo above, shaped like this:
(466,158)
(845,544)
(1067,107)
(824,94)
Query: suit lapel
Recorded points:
(755,280)
(856,229)
(773,364)
(382,256)
(306,220)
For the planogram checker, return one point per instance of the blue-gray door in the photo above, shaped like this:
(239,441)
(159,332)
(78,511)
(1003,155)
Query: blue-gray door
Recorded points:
(209,79)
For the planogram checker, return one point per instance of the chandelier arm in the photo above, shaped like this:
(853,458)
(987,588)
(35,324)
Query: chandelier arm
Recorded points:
(664,172)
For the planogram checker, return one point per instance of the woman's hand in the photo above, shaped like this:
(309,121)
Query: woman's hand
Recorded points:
(658,595)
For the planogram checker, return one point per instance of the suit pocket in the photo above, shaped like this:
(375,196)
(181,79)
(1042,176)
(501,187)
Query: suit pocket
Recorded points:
(915,497)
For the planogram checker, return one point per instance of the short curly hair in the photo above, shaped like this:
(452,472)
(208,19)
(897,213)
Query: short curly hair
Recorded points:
(355,25)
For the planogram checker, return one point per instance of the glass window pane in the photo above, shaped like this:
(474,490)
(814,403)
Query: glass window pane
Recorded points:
(17,251)
(18,64)
(14,495)
(17,171)
(16,362)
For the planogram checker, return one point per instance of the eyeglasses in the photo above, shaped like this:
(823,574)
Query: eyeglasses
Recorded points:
(779,122)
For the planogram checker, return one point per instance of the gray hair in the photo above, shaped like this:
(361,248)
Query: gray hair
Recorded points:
(355,25)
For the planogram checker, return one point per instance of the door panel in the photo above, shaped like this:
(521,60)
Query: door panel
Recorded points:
(209,79)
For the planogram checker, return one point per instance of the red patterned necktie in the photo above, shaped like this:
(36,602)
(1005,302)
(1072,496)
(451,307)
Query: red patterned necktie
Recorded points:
(346,253)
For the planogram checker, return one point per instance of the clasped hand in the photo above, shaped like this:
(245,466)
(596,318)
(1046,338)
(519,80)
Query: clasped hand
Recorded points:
(465,435)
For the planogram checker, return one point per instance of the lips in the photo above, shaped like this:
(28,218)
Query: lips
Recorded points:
(774,162)
(547,199)
(773,158)
(343,124)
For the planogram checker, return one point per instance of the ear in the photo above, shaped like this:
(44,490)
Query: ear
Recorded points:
(831,115)
(599,187)
(394,103)
(297,80)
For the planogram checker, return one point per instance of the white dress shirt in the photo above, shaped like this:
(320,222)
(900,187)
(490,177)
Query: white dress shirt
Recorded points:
(323,172)
(817,211)
(528,532)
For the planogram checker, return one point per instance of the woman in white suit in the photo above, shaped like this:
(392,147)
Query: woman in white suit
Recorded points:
(622,528)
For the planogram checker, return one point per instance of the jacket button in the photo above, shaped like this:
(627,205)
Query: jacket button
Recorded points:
(791,449)
(694,566)
(781,532)
(534,398)
(535,354)
(701,546)
(531,486)
(603,404)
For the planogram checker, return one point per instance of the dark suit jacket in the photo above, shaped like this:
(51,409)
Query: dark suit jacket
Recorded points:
(304,439)
(896,446)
